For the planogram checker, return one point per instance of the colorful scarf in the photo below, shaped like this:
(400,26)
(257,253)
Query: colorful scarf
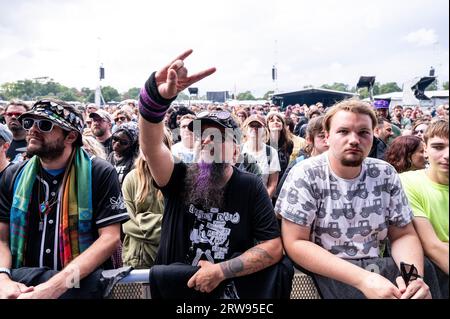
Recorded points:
(74,209)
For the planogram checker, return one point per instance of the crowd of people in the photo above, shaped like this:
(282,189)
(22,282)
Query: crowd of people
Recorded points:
(222,201)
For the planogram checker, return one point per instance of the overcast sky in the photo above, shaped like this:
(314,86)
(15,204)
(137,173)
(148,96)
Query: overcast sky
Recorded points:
(312,42)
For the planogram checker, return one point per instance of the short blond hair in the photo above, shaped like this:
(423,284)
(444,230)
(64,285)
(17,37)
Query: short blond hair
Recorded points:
(437,127)
(354,106)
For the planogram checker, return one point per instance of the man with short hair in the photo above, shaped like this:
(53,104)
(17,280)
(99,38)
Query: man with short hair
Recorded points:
(442,111)
(381,135)
(101,128)
(339,206)
(5,140)
(427,192)
(398,119)
(213,211)
(14,109)
(60,211)
(91,108)
(184,150)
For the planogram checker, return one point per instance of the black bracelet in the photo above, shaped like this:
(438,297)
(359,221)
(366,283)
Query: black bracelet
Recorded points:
(152,106)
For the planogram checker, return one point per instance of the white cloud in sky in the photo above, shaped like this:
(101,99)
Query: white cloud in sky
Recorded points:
(422,37)
(311,42)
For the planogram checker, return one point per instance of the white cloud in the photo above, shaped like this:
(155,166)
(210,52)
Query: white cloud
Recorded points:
(422,37)
(318,42)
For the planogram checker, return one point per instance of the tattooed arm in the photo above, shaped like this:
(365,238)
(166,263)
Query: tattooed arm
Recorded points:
(263,255)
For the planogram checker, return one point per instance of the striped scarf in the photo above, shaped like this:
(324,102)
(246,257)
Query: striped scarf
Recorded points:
(74,209)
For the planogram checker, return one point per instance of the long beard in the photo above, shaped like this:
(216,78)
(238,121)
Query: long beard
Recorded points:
(204,185)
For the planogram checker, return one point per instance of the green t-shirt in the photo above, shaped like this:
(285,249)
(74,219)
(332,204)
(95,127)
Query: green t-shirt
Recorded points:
(427,199)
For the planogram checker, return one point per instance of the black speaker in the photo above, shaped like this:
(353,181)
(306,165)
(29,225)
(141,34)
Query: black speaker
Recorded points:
(432,71)
(419,87)
(193,90)
(366,82)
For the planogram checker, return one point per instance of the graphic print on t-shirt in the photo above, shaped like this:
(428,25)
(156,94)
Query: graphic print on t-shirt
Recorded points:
(349,218)
(210,234)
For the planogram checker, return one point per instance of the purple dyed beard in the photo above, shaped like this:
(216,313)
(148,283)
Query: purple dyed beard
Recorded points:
(204,185)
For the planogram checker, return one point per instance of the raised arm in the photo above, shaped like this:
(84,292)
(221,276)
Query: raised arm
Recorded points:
(159,91)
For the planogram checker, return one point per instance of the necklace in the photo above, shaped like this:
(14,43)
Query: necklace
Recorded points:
(44,206)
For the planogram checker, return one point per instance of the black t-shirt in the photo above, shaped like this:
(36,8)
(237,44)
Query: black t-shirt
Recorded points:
(12,150)
(189,233)
(122,166)
(42,244)
(107,144)
(1,172)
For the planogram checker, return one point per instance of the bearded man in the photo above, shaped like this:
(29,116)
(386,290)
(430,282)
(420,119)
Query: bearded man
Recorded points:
(60,211)
(217,219)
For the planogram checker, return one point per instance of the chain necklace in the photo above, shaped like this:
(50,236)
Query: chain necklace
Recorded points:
(44,206)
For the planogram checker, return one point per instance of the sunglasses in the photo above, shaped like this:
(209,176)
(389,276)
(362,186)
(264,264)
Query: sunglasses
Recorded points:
(255,125)
(120,118)
(408,272)
(198,136)
(418,131)
(43,125)
(11,114)
(121,142)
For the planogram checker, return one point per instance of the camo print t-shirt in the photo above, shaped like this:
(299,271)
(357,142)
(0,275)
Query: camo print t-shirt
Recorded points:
(349,218)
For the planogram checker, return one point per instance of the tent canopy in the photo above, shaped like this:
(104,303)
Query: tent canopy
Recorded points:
(311,96)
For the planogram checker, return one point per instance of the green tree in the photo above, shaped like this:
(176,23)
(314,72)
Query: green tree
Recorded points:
(85,92)
(132,93)
(268,95)
(110,94)
(445,85)
(433,86)
(247,95)
(69,95)
(389,88)
(182,96)
(336,87)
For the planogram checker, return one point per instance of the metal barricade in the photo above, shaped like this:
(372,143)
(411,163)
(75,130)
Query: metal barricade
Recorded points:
(136,286)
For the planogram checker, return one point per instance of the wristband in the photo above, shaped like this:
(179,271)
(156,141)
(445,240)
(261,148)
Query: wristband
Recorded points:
(5,271)
(152,106)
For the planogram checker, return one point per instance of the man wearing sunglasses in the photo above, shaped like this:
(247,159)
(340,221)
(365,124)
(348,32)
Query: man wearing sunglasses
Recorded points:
(60,211)
(12,112)
(213,211)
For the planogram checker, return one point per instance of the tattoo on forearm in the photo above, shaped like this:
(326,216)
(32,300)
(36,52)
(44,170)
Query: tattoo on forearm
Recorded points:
(249,262)
(232,267)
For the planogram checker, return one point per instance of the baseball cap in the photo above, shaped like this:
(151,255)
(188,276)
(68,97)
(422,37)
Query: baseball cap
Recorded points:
(93,105)
(381,104)
(5,133)
(255,118)
(102,114)
(218,118)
